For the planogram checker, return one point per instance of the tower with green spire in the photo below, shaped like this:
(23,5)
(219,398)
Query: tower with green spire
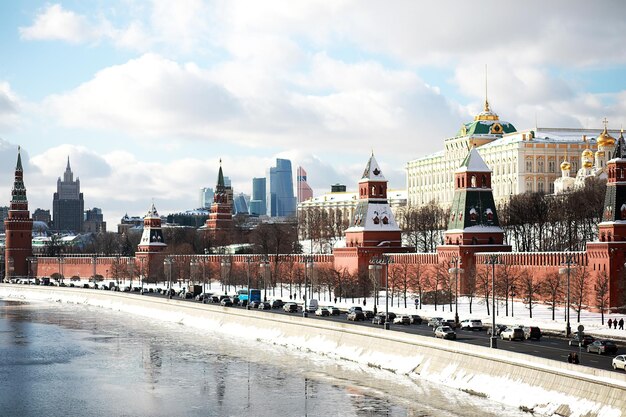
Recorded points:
(18,228)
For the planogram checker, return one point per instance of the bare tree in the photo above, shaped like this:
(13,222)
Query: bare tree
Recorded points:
(579,285)
(601,288)
(530,287)
(484,283)
(551,288)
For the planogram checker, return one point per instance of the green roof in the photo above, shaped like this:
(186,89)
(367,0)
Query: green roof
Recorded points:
(484,127)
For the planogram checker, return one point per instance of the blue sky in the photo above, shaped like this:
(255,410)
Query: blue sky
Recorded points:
(146,97)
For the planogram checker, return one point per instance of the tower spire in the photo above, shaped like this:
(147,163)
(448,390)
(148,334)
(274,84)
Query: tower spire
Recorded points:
(486,95)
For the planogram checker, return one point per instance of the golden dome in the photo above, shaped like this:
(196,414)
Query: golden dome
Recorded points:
(565,166)
(486,114)
(605,139)
(587,153)
(588,164)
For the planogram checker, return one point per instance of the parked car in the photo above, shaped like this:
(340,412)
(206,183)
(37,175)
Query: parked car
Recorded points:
(472,325)
(369,314)
(415,319)
(619,362)
(532,332)
(277,304)
(449,323)
(226,302)
(289,307)
(435,322)
(254,304)
(512,333)
(334,311)
(356,315)
(404,319)
(392,316)
(602,346)
(499,329)
(265,306)
(379,319)
(322,312)
(586,340)
(445,332)
(354,308)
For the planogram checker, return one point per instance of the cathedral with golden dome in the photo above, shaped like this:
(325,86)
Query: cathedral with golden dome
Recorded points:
(592,164)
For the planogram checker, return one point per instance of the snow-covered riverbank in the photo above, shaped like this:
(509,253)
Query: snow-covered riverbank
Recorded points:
(543,386)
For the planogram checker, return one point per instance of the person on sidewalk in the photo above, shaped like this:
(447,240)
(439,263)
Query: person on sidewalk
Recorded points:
(615,324)
(621,324)
(610,323)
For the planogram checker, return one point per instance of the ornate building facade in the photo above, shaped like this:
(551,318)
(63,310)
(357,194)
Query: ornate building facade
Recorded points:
(520,160)
(68,206)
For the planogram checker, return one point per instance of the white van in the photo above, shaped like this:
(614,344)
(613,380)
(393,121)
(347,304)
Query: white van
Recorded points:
(312,305)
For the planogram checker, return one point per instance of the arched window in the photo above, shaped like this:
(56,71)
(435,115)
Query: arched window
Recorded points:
(473,181)
(484,185)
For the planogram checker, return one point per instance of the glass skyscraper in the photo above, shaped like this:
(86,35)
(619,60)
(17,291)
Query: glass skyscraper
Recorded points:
(281,201)
(257,203)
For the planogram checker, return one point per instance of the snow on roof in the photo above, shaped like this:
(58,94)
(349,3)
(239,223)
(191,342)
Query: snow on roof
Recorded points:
(473,163)
(372,171)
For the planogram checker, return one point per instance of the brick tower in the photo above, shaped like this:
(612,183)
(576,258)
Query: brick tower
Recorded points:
(608,253)
(473,225)
(151,247)
(219,225)
(19,227)
(373,229)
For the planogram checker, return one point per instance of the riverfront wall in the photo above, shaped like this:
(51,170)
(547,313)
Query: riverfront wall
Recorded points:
(543,386)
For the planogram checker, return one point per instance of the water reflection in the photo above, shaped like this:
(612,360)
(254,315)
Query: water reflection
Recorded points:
(60,360)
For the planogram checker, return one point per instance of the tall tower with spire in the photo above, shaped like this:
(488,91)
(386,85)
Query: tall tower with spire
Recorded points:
(219,225)
(19,227)
(68,206)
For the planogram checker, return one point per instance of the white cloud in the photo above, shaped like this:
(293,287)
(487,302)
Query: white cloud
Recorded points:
(9,107)
(55,23)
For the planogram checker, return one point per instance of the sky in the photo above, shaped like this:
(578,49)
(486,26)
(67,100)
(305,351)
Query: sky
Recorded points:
(146,97)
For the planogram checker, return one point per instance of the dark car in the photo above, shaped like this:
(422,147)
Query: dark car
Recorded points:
(355,308)
(356,316)
(392,316)
(277,304)
(334,311)
(378,319)
(499,329)
(226,302)
(532,332)
(369,314)
(290,307)
(254,304)
(265,306)
(586,340)
(415,319)
(602,346)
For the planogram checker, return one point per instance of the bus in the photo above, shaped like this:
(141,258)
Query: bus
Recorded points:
(255,295)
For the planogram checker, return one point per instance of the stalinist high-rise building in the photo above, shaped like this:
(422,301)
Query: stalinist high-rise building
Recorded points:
(68,206)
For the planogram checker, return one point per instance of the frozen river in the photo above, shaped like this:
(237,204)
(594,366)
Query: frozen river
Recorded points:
(60,360)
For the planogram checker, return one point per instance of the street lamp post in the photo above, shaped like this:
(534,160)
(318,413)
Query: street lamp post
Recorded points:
(493,340)
(61,261)
(248,260)
(380,261)
(265,263)
(167,262)
(513,288)
(141,273)
(569,262)
(130,262)
(456,271)
(307,260)
(93,268)
(225,267)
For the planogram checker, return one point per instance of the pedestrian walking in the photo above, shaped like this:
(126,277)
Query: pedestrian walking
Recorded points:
(335,300)
(621,324)
(364,302)
(615,324)
(610,323)
(575,360)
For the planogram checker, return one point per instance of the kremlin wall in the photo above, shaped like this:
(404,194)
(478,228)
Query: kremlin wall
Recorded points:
(473,244)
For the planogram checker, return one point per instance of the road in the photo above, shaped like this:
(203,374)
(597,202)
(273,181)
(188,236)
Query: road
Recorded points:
(549,347)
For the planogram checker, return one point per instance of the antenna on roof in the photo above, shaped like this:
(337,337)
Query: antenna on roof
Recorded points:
(486,95)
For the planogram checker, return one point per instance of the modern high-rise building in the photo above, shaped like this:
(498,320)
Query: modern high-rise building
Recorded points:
(280,199)
(304,190)
(206,197)
(68,206)
(240,204)
(258,205)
